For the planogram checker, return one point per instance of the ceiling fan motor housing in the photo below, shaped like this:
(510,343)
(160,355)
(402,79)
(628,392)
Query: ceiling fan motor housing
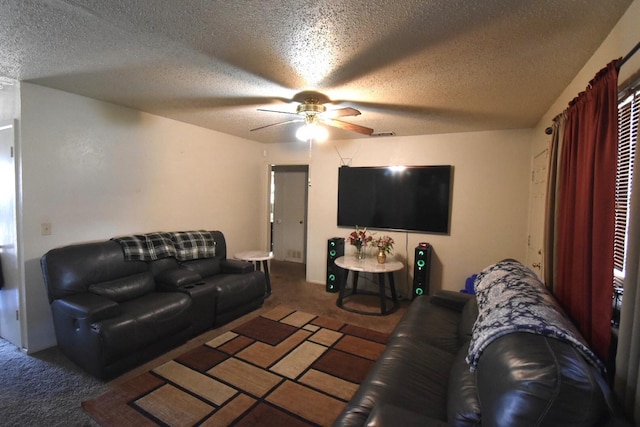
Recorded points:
(310,107)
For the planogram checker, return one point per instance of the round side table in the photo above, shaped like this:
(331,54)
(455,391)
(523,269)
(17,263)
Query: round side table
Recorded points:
(257,257)
(369,265)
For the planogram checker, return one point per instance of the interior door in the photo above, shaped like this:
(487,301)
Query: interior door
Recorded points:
(9,293)
(290,213)
(536,214)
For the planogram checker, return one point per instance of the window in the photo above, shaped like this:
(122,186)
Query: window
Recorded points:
(628,113)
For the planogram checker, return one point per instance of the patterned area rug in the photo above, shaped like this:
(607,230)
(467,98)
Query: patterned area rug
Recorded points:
(283,368)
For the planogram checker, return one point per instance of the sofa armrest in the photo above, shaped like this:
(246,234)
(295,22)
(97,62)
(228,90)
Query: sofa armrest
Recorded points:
(235,266)
(450,299)
(390,415)
(89,306)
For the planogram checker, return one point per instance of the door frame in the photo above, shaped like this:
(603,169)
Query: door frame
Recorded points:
(302,167)
(14,331)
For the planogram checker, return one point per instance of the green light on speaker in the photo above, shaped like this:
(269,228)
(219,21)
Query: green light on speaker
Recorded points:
(419,291)
(332,243)
(421,253)
(332,252)
(332,277)
(420,263)
(330,286)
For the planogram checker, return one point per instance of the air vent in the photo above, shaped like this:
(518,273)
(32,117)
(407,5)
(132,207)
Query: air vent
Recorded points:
(383,134)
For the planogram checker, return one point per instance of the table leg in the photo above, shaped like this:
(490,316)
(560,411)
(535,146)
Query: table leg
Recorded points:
(383,304)
(392,287)
(354,286)
(343,287)
(265,264)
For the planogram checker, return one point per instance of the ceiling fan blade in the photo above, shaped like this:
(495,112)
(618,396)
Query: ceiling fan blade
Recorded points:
(348,126)
(277,124)
(340,112)
(208,102)
(277,111)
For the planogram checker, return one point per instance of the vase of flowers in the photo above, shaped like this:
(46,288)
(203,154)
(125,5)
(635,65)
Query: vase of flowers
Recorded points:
(384,245)
(360,239)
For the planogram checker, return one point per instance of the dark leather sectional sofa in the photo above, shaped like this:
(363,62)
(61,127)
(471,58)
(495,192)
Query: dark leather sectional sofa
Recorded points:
(522,378)
(111,314)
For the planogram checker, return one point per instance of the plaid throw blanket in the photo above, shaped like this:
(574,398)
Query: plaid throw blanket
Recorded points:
(147,247)
(193,245)
(511,298)
(183,245)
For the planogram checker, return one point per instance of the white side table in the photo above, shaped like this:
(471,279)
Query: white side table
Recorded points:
(369,265)
(257,257)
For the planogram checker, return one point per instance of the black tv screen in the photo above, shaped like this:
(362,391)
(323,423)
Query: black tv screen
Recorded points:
(415,198)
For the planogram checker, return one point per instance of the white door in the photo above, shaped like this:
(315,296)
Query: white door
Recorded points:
(289,213)
(536,214)
(9,294)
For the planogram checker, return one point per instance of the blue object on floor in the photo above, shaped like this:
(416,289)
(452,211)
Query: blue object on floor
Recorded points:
(468,285)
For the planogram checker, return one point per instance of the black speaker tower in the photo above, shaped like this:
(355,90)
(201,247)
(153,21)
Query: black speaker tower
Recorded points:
(335,275)
(421,270)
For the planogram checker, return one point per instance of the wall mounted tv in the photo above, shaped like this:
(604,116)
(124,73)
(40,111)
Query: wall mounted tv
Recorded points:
(415,198)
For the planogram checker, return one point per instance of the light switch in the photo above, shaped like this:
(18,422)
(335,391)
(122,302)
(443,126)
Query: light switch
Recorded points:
(45,228)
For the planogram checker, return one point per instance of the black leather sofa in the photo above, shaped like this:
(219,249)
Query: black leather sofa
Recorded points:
(111,314)
(520,379)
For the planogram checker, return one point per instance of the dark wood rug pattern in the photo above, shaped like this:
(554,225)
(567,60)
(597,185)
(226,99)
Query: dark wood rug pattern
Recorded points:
(284,367)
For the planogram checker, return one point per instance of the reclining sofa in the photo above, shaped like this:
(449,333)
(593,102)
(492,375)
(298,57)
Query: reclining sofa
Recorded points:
(507,357)
(118,303)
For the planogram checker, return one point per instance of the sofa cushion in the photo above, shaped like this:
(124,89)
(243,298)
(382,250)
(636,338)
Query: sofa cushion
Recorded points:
(390,415)
(411,375)
(148,319)
(204,267)
(178,277)
(72,269)
(235,290)
(529,379)
(125,288)
(160,265)
(417,320)
(463,405)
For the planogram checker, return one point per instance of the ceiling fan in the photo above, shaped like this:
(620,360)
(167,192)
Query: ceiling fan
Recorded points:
(313,113)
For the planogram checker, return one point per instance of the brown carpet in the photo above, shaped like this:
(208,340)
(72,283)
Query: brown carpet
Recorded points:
(284,367)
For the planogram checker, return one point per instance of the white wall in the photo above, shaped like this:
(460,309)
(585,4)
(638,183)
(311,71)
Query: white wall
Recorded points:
(489,208)
(94,170)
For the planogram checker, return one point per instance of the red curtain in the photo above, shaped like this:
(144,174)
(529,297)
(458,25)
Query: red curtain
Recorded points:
(584,258)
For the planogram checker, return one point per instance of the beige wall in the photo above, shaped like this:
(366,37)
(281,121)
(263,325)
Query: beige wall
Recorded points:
(624,36)
(490,198)
(94,170)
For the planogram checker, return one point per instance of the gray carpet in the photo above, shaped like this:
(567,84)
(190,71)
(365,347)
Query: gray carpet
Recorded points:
(43,389)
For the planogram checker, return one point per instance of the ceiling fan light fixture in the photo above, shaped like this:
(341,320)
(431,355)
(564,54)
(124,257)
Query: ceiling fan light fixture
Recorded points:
(313,132)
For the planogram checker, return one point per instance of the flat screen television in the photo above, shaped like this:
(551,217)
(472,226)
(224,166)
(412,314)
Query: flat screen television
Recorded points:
(415,198)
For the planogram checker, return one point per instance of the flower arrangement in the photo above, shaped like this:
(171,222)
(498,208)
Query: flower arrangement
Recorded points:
(359,238)
(384,243)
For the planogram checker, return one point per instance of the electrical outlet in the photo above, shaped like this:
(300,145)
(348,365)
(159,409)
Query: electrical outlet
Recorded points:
(45,228)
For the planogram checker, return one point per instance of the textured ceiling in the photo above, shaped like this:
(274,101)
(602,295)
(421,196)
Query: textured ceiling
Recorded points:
(410,66)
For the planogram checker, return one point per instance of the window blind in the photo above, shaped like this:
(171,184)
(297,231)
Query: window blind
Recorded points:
(628,112)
